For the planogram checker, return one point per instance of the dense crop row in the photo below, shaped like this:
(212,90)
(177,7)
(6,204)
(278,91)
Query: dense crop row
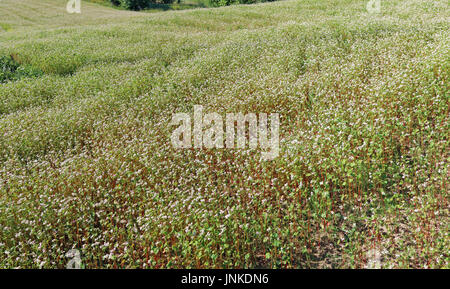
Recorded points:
(86,160)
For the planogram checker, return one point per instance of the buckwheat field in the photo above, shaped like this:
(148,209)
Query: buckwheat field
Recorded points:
(86,161)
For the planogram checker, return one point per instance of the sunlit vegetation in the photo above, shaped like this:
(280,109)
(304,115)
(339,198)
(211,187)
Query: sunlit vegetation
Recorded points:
(86,160)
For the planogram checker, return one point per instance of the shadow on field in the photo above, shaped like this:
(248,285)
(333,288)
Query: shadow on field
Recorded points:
(175,6)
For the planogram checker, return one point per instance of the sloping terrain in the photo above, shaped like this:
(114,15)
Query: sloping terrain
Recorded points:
(86,160)
(45,14)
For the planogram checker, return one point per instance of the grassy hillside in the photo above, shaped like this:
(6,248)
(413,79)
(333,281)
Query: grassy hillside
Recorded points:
(86,160)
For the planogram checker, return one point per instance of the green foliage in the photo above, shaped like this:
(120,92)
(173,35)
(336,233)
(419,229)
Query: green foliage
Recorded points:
(139,4)
(11,70)
(86,160)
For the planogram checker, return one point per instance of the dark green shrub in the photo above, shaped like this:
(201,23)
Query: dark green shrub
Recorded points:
(11,70)
(139,4)
(134,4)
